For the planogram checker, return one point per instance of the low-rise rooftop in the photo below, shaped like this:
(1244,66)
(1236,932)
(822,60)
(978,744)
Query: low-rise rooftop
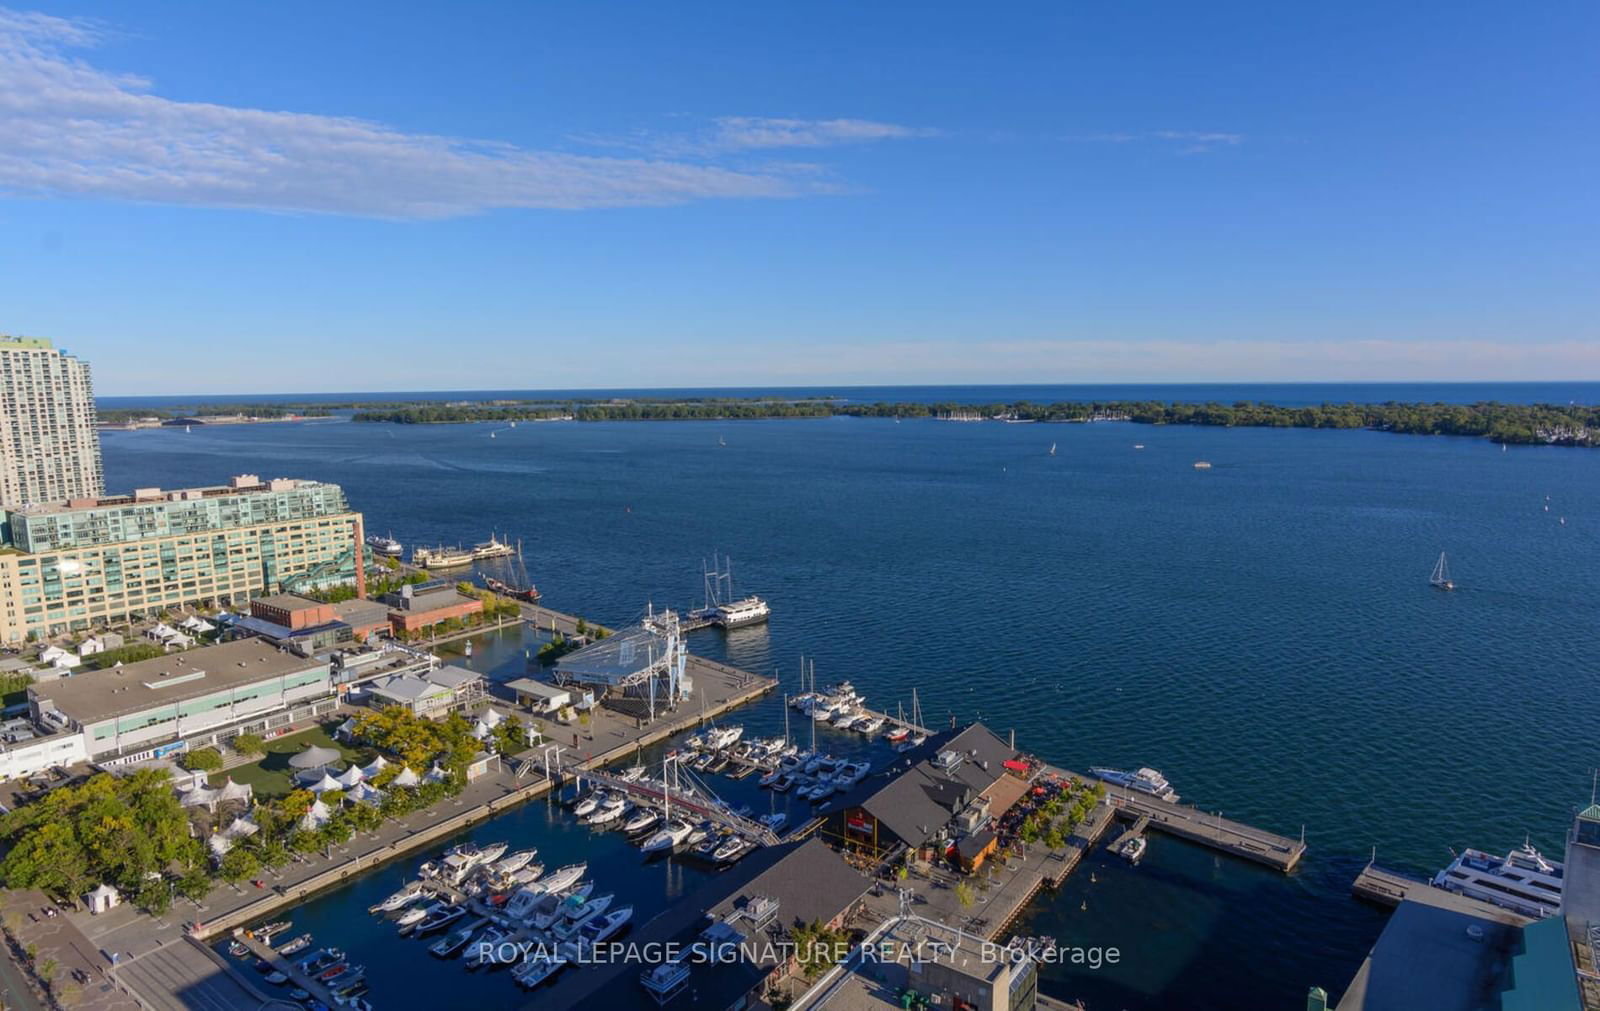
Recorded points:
(177,677)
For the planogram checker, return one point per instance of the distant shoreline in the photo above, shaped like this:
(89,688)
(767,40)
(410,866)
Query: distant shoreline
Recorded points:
(1512,424)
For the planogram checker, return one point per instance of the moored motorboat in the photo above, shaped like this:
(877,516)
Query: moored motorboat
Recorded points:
(670,835)
(450,945)
(1144,780)
(604,928)
(295,946)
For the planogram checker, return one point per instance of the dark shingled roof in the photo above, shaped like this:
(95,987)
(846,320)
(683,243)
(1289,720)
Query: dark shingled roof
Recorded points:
(809,882)
(916,803)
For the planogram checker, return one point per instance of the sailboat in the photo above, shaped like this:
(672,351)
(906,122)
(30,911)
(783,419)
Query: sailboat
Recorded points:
(1052,449)
(721,441)
(1441,575)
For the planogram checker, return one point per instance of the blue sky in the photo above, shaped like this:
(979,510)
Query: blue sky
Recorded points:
(219,198)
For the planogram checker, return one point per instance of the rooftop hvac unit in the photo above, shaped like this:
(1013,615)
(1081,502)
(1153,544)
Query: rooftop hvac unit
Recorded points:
(761,910)
(949,761)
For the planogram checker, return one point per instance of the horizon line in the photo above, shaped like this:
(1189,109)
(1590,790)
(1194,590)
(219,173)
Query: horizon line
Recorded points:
(822,388)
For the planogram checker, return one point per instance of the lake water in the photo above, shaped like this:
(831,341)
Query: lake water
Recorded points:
(1262,632)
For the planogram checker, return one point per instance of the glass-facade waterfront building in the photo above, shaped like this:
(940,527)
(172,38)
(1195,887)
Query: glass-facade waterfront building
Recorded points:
(70,566)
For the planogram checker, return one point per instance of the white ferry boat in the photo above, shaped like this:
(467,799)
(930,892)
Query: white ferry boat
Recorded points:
(1144,781)
(1522,881)
(386,545)
(739,613)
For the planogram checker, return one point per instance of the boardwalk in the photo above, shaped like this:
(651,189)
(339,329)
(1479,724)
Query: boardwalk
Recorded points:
(1235,838)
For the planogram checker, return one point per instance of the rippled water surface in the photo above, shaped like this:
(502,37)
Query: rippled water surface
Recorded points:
(1262,631)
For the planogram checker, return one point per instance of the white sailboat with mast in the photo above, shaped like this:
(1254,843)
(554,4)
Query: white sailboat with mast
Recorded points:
(1440,579)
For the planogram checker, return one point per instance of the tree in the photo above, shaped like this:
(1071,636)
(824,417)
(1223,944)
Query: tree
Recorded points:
(238,864)
(964,894)
(203,760)
(250,745)
(154,895)
(195,884)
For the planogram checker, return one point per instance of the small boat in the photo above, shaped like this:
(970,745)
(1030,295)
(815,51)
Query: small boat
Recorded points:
(398,900)
(897,734)
(346,980)
(1133,849)
(440,919)
(631,775)
(516,861)
(571,922)
(607,813)
(1202,465)
(586,805)
(333,971)
(604,928)
(784,783)
(484,951)
(869,726)
(672,834)
(1440,578)
(641,820)
(1138,445)
(911,742)
(450,945)
(416,914)
(538,967)
(299,944)
(774,821)
(731,850)
(546,918)
(1052,449)
(772,776)
(320,960)
(264,933)
(276,978)
(562,879)
(237,949)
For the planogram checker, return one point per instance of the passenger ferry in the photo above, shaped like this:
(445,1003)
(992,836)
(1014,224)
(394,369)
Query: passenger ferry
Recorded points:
(1522,881)
(739,613)
(1143,781)
(386,545)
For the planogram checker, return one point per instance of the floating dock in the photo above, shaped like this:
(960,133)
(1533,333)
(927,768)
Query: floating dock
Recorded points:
(1231,837)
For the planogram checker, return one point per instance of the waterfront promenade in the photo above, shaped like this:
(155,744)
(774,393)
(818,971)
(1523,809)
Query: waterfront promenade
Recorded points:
(159,958)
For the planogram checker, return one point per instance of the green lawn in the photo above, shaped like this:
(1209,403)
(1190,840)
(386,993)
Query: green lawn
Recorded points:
(270,774)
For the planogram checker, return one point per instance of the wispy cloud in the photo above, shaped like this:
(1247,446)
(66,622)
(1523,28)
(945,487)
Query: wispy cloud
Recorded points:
(742,134)
(1184,141)
(71,128)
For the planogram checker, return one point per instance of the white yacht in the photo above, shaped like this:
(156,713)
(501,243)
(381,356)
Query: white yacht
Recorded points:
(672,834)
(738,613)
(1143,781)
(1522,881)
(562,879)
(727,737)
(516,861)
(520,905)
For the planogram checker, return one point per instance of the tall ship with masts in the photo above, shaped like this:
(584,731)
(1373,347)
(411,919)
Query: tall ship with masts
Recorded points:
(521,588)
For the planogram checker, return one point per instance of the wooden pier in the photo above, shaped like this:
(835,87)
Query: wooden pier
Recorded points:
(1390,888)
(288,966)
(1231,837)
